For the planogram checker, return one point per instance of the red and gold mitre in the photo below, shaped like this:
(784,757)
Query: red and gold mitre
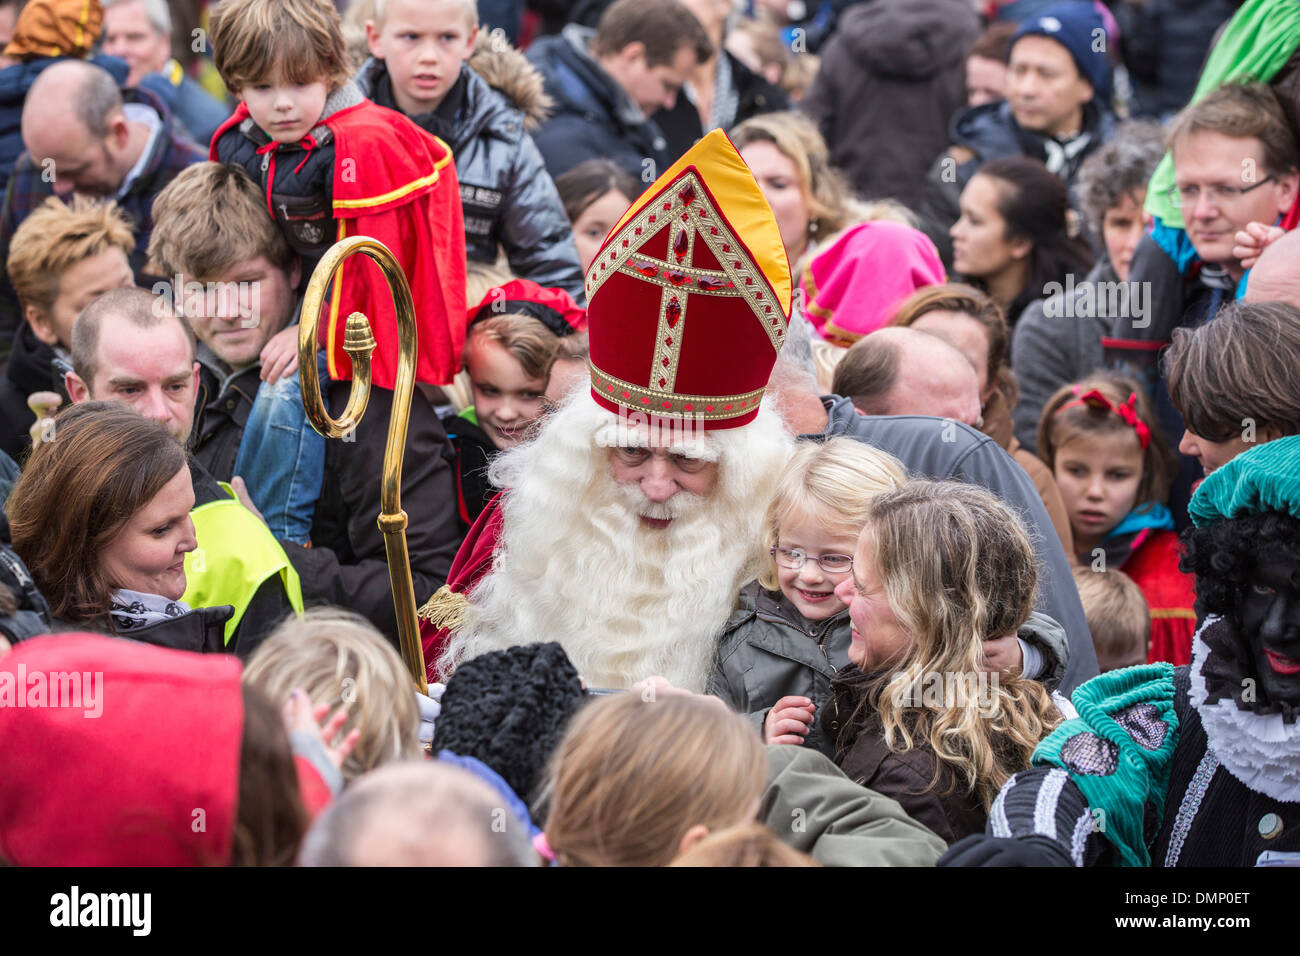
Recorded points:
(688,300)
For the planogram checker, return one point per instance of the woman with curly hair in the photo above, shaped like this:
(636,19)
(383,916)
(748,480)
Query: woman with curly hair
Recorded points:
(940,568)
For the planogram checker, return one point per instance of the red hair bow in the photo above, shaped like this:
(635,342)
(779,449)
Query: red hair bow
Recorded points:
(1126,411)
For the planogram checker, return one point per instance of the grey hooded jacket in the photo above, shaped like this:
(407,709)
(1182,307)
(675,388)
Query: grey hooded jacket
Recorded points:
(508,197)
(769,651)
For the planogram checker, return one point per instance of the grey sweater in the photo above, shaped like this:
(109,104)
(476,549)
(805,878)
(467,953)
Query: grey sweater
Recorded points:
(1054,345)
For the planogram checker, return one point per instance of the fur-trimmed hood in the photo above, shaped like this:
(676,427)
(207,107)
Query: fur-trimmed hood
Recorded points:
(506,70)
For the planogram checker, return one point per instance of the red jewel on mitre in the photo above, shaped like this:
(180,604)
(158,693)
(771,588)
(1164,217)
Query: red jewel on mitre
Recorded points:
(685,319)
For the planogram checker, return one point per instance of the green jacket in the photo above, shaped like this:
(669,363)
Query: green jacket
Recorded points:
(812,806)
(768,651)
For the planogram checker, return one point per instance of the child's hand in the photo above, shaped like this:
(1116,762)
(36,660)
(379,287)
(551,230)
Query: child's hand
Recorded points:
(1003,654)
(300,714)
(1253,240)
(280,355)
(789,721)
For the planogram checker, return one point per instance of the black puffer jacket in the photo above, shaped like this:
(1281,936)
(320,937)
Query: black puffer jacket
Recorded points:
(990,131)
(890,79)
(1165,44)
(594,117)
(509,198)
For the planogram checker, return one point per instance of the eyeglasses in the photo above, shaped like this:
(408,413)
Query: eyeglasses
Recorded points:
(793,558)
(1219,195)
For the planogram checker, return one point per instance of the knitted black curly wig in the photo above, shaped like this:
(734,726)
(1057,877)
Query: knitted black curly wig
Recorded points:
(1224,555)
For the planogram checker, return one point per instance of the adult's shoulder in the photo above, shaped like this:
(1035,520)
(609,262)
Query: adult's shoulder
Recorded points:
(928,447)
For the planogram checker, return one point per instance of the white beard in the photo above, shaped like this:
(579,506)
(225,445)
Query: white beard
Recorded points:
(576,565)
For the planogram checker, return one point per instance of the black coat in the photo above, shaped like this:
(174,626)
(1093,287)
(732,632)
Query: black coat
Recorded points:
(593,117)
(1165,45)
(33,367)
(681,125)
(346,564)
(890,78)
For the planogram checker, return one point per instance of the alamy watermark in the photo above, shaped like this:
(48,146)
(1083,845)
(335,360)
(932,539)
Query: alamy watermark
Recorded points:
(638,429)
(948,690)
(69,690)
(1092,300)
(209,300)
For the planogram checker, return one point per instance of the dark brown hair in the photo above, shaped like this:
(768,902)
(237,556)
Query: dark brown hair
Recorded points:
(968,300)
(662,26)
(103,462)
(269,819)
(589,180)
(1034,204)
(995,42)
(1058,425)
(1205,367)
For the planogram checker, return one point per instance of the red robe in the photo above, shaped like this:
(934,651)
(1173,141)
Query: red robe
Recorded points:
(399,187)
(1153,566)
(473,561)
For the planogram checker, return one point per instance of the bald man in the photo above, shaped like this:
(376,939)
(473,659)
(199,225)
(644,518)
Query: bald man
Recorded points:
(419,814)
(83,135)
(1276,275)
(897,371)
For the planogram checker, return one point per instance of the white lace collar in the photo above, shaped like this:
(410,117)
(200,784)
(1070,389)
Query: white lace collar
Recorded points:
(1261,751)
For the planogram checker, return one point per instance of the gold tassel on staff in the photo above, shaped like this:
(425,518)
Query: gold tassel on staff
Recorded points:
(359,343)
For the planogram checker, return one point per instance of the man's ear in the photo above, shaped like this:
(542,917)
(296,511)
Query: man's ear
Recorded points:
(197,366)
(633,52)
(78,390)
(691,837)
(42,326)
(1290,183)
(119,132)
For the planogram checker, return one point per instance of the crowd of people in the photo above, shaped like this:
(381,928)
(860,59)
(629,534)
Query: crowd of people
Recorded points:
(844,434)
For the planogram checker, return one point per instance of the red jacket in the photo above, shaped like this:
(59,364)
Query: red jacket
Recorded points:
(1153,566)
(122,754)
(396,183)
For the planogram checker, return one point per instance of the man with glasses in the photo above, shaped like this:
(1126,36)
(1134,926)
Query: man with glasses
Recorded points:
(1235,163)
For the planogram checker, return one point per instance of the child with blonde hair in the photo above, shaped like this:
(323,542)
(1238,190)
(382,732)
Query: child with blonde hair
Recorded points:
(790,633)
(642,777)
(1107,452)
(1117,615)
(339,658)
(747,844)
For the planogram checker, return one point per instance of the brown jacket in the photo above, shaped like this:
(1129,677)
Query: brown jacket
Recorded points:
(908,777)
(999,426)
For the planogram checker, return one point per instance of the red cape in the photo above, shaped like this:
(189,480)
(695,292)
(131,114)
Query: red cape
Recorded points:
(396,183)
(1170,595)
(473,561)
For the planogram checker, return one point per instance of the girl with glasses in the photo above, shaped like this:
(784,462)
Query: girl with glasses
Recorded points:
(790,632)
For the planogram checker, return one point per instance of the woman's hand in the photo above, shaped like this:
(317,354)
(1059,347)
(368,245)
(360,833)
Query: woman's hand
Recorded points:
(789,721)
(280,355)
(1250,242)
(301,715)
(1002,655)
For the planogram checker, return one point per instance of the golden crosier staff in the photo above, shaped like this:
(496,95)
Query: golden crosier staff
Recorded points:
(359,342)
